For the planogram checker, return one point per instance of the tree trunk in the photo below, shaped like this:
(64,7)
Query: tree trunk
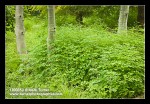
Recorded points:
(123,18)
(19,30)
(79,17)
(140,17)
(51,26)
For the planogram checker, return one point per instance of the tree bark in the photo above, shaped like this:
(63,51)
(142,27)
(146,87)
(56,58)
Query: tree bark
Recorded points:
(123,18)
(51,26)
(140,17)
(19,30)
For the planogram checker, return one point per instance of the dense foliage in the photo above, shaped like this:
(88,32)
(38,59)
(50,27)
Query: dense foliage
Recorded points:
(87,15)
(86,61)
(10,17)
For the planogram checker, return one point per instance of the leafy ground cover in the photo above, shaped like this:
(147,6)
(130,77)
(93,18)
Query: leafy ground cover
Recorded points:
(85,62)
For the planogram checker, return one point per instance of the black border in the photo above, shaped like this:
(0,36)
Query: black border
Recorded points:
(78,2)
(96,2)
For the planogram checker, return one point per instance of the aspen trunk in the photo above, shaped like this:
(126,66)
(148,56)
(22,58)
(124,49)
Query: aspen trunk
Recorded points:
(51,26)
(123,19)
(19,30)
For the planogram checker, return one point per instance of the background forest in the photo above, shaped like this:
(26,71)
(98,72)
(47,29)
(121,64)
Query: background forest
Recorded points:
(88,58)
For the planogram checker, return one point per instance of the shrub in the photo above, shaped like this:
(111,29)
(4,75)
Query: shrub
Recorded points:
(85,62)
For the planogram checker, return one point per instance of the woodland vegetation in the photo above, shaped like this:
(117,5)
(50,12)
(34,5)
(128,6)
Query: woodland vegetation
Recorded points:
(78,51)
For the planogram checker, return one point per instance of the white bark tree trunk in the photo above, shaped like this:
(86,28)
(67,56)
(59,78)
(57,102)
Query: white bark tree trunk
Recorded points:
(19,30)
(51,26)
(123,19)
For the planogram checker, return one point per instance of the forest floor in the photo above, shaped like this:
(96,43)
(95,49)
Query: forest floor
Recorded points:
(87,62)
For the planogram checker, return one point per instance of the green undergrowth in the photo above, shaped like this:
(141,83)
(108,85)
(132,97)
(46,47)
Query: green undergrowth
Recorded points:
(85,62)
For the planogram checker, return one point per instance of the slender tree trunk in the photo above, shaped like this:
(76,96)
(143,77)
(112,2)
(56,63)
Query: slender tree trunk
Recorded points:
(51,26)
(19,30)
(79,17)
(140,17)
(123,19)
